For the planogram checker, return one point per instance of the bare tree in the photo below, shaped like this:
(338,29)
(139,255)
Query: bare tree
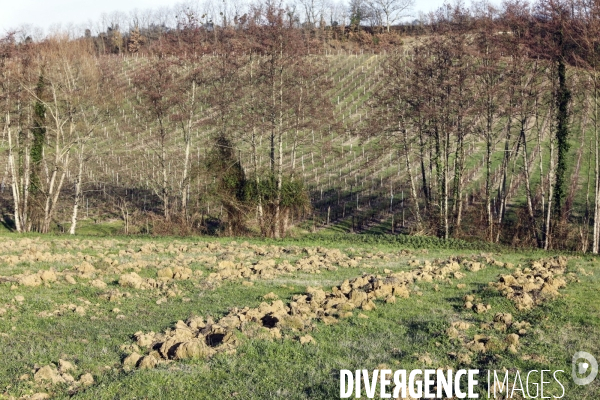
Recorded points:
(11,74)
(313,12)
(390,11)
(63,94)
(157,100)
(336,13)
(287,100)
(91,96)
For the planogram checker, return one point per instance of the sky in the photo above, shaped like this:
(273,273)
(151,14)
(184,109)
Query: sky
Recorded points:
(53,14)
(46,13)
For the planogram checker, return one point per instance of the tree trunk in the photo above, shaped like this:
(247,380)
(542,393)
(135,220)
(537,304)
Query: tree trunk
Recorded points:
(488,181)
(47,206)
(185,189)
(14,180)
(502,189)
(413,191)
(562,136)
(423,169)
(445,183)
(278,222)
(77,192)
(165,181)
(550,193)
(260,213)
(26,189)
(596,239)
(278,183)
(528,189)
(458,179)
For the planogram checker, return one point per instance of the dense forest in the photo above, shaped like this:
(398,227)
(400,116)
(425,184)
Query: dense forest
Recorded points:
(477,123)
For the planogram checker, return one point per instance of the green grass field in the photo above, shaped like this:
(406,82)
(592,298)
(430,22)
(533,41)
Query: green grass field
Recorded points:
(91,320)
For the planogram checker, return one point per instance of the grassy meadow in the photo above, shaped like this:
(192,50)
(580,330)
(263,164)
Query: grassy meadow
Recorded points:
(89,317)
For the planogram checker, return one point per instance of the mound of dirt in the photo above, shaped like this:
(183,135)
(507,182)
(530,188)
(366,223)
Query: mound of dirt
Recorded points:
(50,375)
(532,286)
(199,338)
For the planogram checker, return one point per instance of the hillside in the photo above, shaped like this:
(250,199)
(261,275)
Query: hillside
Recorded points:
(352,175)
(479,134)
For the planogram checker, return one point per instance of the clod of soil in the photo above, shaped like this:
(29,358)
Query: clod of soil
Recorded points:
(65,366)
(270,296)
(529,287)
(131,360)
(48,374)
(512,339)
(86,379)
(148,362)
(307,340)
(132,280)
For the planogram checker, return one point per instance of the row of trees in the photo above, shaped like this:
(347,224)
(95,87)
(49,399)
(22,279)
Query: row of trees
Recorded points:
(259,85)
(117,28)
(51,104)
(501,80)
(483,111)
(236,90)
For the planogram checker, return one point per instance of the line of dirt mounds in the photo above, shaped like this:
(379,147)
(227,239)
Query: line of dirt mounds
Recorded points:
(200,338)
(225,262)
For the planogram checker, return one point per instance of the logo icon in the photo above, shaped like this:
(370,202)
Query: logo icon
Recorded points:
(584,363)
